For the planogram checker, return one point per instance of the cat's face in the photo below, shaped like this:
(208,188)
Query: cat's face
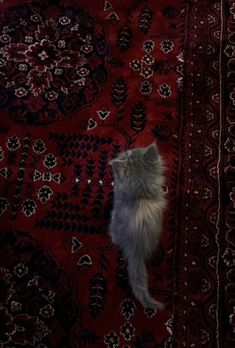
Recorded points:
(138,162)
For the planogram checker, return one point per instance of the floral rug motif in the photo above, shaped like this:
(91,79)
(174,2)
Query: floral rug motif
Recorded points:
(81,81)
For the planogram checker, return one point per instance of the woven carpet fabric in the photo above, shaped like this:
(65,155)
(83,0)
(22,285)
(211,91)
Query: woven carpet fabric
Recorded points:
(81,81)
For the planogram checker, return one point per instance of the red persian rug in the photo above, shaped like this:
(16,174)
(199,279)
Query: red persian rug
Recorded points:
(81,81)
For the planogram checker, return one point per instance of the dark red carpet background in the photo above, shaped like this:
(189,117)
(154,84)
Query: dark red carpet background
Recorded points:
(81,81)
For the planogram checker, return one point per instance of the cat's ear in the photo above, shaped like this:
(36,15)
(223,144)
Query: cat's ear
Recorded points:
(119,167)
(151,153)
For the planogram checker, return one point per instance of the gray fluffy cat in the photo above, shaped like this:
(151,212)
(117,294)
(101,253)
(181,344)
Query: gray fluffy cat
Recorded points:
(136,221)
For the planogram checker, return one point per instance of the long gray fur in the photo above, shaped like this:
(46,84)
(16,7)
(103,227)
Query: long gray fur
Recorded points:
(136,222)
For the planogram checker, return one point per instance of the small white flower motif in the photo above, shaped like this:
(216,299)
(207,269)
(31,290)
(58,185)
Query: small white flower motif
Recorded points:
(50,161)
(36,17)
(43,55)
(61,44)
(148,46)
(89,181)
(5,38)
(101,182)
(229,51)
(167,46)
(164,90)
(127,331)
(111,340)
(58,71)
(146,72)
(44,194)
(28,39)
(87,48)
(29,207)
(230,145)
(23,67)
(83,72)
(47,311)
(13,143)
(136,65)
(3,62)
(77,180)
(39,146)
(64,20)
(21,92)
(146,88)
(229,257)
(148,59)
(52,95)
(20,270)
(127,308)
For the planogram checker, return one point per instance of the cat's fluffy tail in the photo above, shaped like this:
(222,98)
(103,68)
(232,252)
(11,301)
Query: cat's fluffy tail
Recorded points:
(139,283)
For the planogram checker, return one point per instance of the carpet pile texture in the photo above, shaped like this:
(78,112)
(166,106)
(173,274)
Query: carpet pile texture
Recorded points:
(81,81)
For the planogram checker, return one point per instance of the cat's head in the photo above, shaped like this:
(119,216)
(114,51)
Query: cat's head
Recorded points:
(138,164)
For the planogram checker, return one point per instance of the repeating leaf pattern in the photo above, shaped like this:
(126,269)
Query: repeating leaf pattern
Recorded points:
(145,20)
(138,117)
(119,92)
(124,38)
(97,295)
